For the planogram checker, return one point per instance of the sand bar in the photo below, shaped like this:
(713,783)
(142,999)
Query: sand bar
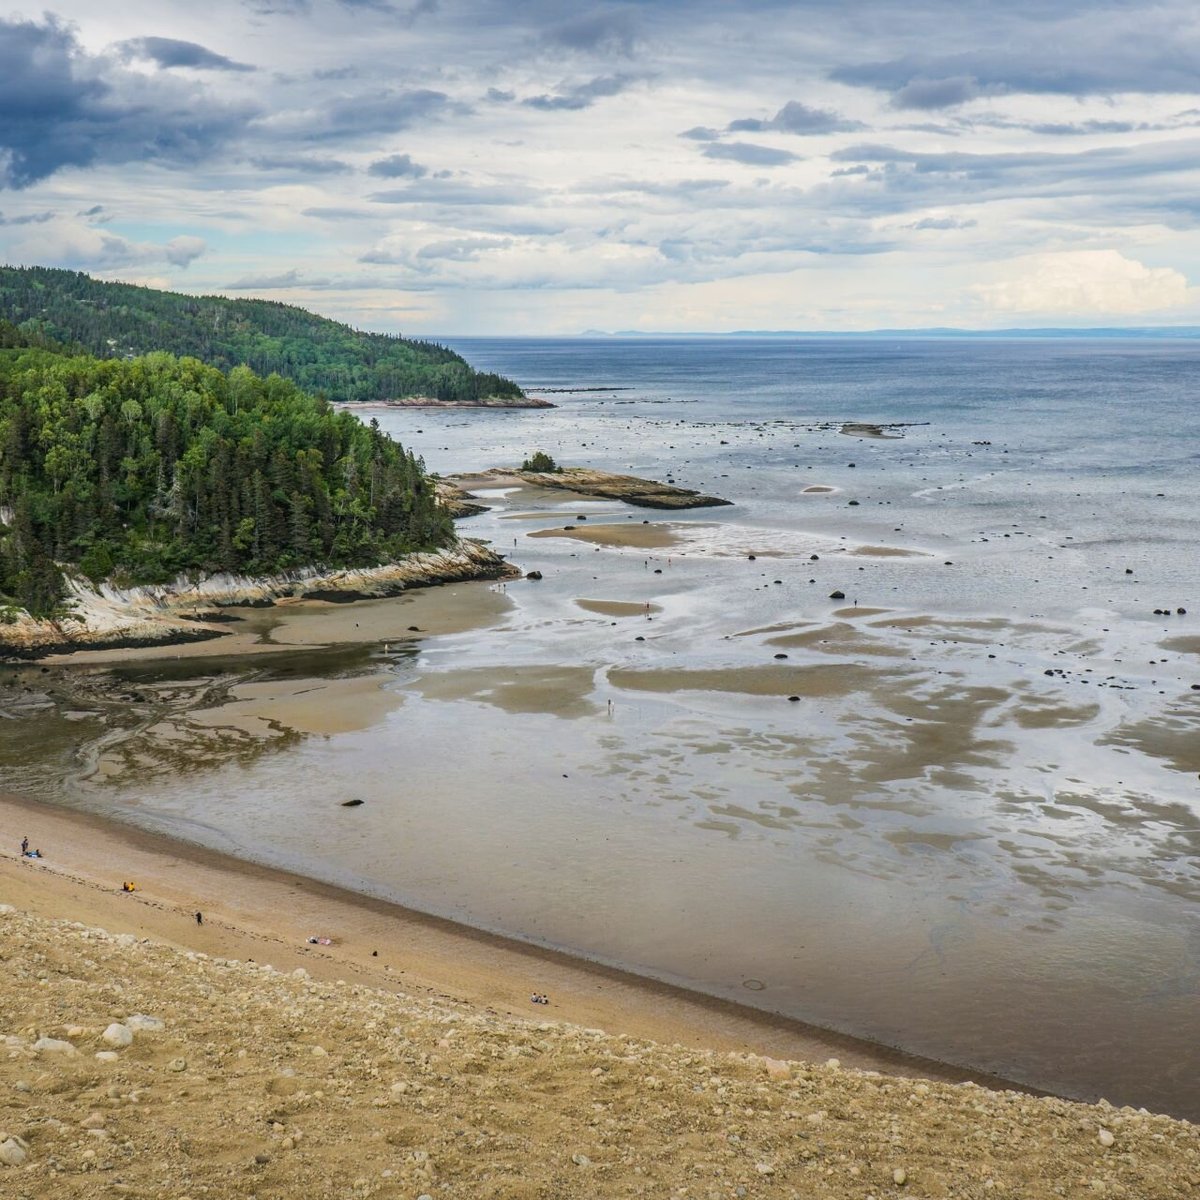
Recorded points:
(641,537)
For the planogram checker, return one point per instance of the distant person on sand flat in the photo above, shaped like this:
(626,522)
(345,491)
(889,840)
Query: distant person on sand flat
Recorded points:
(24,846)
(199,918)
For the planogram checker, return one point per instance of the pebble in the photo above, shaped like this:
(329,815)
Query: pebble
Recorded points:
(47,1045)
(13,1153)
(581,1160)
(118,1036)
(107,1056)
(1105,1138)
(95,1120)
(140,1023)
(777,1068)
(899,1176)
(177,1064)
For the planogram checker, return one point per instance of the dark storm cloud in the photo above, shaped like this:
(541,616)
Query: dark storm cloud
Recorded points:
(398,166)
(795,117)
(169,52)
(749,153)
(583,95)
(65,108)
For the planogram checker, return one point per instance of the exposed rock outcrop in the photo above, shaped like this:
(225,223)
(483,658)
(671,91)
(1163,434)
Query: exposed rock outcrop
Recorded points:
(584,481)
(188,610)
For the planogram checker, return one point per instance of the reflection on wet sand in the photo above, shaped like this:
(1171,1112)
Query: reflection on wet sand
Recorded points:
(619,608)
(560,691)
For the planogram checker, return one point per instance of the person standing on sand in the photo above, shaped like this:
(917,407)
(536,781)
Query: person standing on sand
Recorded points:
(199,918)
(24,846)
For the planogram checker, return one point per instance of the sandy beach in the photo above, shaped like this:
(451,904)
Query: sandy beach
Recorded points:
(194,1043)
(255,913)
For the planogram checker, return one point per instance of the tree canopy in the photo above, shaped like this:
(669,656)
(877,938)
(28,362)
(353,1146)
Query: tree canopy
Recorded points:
(138,470)
(119,320)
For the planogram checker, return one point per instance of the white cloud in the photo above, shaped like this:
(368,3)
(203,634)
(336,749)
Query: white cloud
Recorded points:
(66,242)
(1084,283)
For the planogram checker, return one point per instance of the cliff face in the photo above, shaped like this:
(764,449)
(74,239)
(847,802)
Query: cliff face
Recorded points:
(152,1072)
(187,610)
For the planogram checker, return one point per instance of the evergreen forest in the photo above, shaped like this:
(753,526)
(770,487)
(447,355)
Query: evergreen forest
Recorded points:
(137,470)
(119,320)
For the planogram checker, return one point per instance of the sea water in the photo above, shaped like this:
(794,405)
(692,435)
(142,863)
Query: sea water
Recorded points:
(974,835)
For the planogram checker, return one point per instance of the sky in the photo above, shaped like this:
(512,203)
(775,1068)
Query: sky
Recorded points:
(535,167)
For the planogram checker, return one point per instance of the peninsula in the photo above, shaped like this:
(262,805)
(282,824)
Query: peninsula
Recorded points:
(327,358)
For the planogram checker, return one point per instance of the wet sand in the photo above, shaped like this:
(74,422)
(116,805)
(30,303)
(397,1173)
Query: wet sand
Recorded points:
(255,913)
(618,608)
(641,537)
(451,608)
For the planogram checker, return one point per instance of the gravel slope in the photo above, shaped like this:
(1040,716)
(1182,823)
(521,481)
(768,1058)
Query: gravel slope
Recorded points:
(241,1081)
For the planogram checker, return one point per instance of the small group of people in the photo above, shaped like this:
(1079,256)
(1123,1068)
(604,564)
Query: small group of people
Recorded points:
(539,998)
(26,852)
(129,886)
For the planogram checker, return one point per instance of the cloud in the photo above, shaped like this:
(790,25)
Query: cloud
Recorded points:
(583,95)
(398,166)
(169,52)
(604,32)
(498,96)
(1062,50)
(455,192)
(941,223)
(270,283)
(462,249)
(66,108)
(366,114)
(749,153)
(798,118)
(1084,283)
(67,243)
(701,133)
(183,251)
(27,219)
(300,165)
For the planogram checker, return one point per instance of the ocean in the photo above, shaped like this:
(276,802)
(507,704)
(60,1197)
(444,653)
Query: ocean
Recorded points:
(974,834)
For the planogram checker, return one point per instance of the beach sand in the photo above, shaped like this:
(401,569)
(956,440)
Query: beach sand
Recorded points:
(258,913)
(169,1058)
(641,537)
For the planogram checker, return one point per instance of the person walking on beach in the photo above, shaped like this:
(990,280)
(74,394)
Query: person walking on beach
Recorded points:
(24,846)
(199,918)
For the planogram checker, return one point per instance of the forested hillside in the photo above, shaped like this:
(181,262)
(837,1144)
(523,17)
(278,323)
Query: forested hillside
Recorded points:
(138,470)
(118,320)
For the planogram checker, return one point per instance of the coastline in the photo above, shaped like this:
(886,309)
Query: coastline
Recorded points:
(108,618)
(259,913)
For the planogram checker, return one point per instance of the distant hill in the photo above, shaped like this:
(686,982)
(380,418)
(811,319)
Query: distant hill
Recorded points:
(119,320)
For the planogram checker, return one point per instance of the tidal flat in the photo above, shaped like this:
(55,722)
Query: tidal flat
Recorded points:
(972,834)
